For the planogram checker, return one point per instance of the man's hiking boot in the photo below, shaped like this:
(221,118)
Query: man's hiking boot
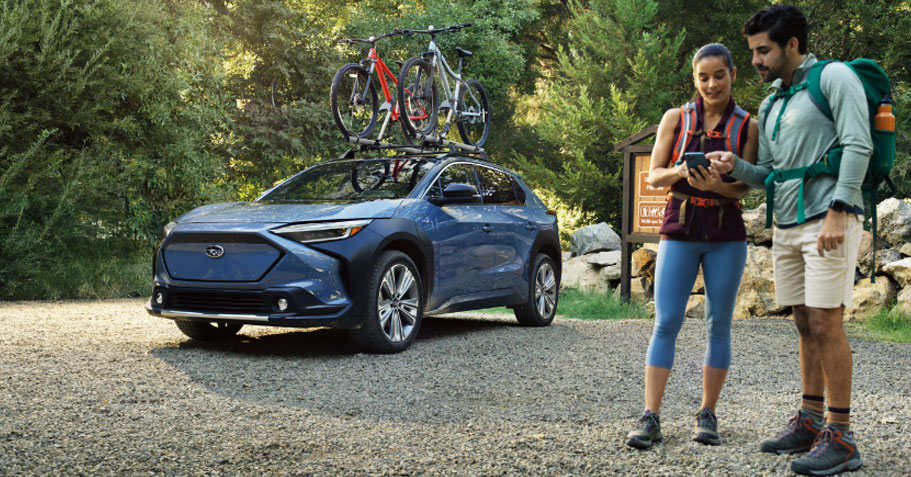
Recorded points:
(833,451)
(646,433)
(797,437)
(706,430)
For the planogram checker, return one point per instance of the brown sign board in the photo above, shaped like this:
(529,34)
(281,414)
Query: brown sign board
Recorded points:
(643,205)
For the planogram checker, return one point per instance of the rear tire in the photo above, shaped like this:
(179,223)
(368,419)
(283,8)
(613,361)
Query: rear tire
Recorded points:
(473,115)
(354,113)
(203,331)
(392,304)
(417,96)
(543,291)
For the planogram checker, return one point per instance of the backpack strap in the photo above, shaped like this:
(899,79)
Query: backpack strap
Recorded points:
(734,129)
(687,131)
(819,99)
(786,94)
(828,165)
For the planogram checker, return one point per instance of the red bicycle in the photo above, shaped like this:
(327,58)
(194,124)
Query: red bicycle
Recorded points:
(353,96)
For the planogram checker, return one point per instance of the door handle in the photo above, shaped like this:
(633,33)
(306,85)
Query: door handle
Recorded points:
(487,228)
(530,226)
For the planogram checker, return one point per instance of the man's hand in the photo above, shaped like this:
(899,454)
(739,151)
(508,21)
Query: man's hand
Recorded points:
(832,234)
(722,161)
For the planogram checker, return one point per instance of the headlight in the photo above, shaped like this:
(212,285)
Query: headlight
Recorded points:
(168,228)
(322,231)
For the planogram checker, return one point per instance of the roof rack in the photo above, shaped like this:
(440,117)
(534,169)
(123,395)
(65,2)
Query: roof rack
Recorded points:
(428,145)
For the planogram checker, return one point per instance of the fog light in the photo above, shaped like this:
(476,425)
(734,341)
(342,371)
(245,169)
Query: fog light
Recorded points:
(282,304)
(159,298)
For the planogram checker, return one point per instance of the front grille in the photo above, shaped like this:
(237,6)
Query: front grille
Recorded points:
(216,302)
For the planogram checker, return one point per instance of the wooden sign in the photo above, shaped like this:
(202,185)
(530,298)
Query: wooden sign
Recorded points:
(649,202)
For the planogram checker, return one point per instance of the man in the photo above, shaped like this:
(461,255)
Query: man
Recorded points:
(815,258)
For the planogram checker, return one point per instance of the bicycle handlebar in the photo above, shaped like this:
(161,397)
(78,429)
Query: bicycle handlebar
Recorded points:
(372,39)
(433,31)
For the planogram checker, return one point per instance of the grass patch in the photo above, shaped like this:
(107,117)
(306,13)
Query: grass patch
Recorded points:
(889,324)
(586,305)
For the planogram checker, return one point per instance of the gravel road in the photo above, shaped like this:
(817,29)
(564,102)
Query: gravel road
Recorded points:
(101,388)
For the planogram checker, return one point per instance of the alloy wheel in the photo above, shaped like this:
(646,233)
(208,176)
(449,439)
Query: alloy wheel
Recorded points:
(397,303)
(545,290)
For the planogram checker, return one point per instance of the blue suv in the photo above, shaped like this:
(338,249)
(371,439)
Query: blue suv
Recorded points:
(370,245)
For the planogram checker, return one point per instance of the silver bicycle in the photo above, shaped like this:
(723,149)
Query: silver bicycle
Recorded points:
(421,105)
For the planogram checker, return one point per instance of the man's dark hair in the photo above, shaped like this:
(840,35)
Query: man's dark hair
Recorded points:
(782,22)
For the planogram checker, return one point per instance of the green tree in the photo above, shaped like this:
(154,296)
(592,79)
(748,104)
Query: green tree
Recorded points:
(107,110)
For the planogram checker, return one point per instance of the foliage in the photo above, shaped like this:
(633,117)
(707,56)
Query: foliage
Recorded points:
(281,59)
(106,109)
(603,92)
(586,305)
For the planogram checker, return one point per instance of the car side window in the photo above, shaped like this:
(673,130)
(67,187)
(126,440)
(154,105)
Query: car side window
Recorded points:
(496,187)
(520,192)
(454,174)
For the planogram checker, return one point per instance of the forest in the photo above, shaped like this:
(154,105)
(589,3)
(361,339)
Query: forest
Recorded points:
(117,116)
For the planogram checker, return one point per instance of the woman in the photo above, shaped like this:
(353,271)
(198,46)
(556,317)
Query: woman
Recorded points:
(702,226)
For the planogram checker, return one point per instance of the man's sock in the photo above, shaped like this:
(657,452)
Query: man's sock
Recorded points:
(815,405)
(839,417)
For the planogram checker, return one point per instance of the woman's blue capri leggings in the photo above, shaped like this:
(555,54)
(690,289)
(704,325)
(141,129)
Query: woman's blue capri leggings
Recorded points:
(675,273)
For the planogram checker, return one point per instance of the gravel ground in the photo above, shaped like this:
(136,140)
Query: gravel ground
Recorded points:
(101,388)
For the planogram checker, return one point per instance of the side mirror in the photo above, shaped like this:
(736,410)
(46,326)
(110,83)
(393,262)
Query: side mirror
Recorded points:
(458,194)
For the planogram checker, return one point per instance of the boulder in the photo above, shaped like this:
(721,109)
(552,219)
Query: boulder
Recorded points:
(604,259)
(695,306)
(903,300)
(594,238)
(883,258)
(754,220)
(905,249)
(608,274)
(870,297)
(640,290)
(644,263)
(894,220)
(900,271)
(757,287)
(578,273)
(699,284)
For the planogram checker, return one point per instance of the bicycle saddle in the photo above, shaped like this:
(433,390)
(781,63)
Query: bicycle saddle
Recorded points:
(463,53)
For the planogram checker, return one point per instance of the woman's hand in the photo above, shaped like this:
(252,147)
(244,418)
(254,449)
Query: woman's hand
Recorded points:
(705,179)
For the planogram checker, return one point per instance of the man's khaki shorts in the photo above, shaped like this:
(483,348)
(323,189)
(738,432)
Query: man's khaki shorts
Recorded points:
(802,277)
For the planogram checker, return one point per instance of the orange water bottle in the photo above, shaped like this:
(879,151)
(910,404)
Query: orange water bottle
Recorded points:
(884,119)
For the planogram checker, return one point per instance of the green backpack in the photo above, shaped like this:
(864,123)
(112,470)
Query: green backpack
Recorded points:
(877,88)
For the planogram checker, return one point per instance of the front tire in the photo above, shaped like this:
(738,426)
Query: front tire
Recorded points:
(353,101)
(393,305)
(541,306)
(204,331)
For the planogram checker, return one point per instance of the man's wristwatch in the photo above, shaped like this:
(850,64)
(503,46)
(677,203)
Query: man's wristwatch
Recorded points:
(838,206)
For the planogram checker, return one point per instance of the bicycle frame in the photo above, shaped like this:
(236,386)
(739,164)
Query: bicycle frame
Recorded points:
(439,62)
(377,66)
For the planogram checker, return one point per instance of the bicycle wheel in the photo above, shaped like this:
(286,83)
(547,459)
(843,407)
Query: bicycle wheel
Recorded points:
(353,101)
(417,98)
(473,113)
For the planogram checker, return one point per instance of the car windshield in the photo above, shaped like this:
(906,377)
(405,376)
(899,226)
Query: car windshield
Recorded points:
(353,181)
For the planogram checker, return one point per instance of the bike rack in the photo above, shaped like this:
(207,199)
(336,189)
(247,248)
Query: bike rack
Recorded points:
(429,144)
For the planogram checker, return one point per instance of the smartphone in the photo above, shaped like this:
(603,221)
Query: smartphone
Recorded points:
(694,160)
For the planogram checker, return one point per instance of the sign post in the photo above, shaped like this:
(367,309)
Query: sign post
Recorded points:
(643,205)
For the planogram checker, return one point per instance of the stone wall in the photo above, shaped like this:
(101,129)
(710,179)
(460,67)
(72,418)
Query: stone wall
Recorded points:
(594,264)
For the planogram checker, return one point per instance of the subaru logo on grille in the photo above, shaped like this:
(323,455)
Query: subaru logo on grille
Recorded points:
(215,251)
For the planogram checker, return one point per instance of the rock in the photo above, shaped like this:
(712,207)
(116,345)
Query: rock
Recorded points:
(640,290)
(609,274)
(870,297)
(699,284)
(903,300)
(565,256)
(905,249)
(695,306)
(644,263)
(757,287)
(754,220)
(883,258)
(594,238)
(604,259)
(900,271)
(894,220)
(578,273)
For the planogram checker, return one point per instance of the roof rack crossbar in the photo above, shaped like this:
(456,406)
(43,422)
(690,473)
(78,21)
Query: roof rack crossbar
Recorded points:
(429,145)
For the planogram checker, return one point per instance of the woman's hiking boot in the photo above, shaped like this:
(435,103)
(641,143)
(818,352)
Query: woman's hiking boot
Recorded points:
(833,451)
(646,433)
(706,430)
(797,437)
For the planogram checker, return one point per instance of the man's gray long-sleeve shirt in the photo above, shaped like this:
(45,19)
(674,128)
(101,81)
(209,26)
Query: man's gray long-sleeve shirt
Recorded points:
(805,135)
